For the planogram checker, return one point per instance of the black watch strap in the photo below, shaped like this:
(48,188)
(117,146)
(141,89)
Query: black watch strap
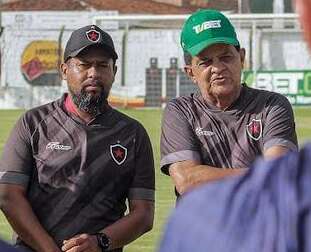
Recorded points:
(104,241)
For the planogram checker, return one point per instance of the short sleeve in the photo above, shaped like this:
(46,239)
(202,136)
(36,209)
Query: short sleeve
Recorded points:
(17,161)
(178,142)
(143,184)
(279,128)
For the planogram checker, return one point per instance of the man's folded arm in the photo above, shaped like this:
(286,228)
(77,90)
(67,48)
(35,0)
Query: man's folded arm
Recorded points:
(188,174)
(15,206)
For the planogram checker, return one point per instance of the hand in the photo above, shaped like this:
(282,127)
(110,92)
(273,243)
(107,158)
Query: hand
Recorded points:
(81,242)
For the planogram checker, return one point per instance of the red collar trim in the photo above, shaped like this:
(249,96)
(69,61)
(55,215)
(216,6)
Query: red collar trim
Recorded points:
(69,106)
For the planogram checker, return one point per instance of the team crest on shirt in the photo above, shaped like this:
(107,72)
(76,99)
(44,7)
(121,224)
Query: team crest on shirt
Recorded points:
(93,35)
(118,153)
(254,129)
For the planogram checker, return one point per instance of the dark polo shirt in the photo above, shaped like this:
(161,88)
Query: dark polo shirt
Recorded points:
(193,129)
(78,176)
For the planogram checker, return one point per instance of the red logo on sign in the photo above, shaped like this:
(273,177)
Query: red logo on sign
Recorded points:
(33,69)
(118,153)
(93,35)
(254,129)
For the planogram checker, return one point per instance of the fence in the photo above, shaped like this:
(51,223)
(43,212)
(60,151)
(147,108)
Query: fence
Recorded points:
(277,57)
(150,64)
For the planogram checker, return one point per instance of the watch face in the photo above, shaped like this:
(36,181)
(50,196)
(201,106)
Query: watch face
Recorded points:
(103,241)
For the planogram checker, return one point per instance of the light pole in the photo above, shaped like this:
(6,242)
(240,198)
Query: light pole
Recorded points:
(278,6)
(239,6)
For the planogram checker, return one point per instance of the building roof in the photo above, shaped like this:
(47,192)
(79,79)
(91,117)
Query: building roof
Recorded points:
(122,6)
(224,5)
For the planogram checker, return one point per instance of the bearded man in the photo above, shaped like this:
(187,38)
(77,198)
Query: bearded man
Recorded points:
(69,166)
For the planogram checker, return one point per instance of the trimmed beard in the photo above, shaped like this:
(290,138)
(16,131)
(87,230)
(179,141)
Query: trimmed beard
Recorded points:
(89,103)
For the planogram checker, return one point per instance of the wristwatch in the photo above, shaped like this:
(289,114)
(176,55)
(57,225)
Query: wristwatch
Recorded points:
(104,241)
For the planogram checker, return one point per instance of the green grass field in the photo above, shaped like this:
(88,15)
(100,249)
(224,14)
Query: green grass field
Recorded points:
(164,190)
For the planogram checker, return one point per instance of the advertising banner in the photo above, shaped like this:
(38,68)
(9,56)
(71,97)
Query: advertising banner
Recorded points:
(295,85)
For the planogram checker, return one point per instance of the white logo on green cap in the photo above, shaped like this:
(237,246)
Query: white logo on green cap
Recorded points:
(206,25)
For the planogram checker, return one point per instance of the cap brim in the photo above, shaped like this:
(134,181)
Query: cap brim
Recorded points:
(195,50)
(109,50)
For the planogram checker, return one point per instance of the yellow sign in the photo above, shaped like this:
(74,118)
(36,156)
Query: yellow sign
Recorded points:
(40,57)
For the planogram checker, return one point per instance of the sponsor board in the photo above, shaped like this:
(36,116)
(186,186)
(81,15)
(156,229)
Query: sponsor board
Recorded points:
(295,85)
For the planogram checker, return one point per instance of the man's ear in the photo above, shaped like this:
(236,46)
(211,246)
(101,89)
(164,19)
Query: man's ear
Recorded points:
(242,56)
(63,70)
(188,70)
(115,68)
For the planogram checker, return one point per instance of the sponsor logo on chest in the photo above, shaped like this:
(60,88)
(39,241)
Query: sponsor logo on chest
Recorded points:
(57,146)
(200,132)
(118,153)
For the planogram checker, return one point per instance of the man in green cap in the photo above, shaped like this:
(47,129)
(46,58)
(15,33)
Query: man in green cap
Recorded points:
(220,130)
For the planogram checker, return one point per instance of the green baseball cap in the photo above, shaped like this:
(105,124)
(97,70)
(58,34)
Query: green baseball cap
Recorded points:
(204,28)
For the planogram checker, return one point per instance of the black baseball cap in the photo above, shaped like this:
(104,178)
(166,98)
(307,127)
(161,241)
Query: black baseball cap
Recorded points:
(88,36)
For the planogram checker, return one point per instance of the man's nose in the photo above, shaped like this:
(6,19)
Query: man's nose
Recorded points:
(217,66)
(93,71)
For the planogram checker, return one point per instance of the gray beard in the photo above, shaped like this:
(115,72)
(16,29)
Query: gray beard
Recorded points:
(86,102)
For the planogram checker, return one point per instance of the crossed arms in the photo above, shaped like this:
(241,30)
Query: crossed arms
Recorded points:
(16,207)
(189,174)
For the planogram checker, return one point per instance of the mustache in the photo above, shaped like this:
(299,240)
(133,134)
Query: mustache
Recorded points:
(92,83)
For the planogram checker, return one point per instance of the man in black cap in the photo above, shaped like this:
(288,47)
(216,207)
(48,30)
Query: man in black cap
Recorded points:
(69,166)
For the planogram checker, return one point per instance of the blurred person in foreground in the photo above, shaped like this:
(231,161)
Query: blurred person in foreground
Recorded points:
(7,248)
(221,129)
(268,209)
(69,166)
